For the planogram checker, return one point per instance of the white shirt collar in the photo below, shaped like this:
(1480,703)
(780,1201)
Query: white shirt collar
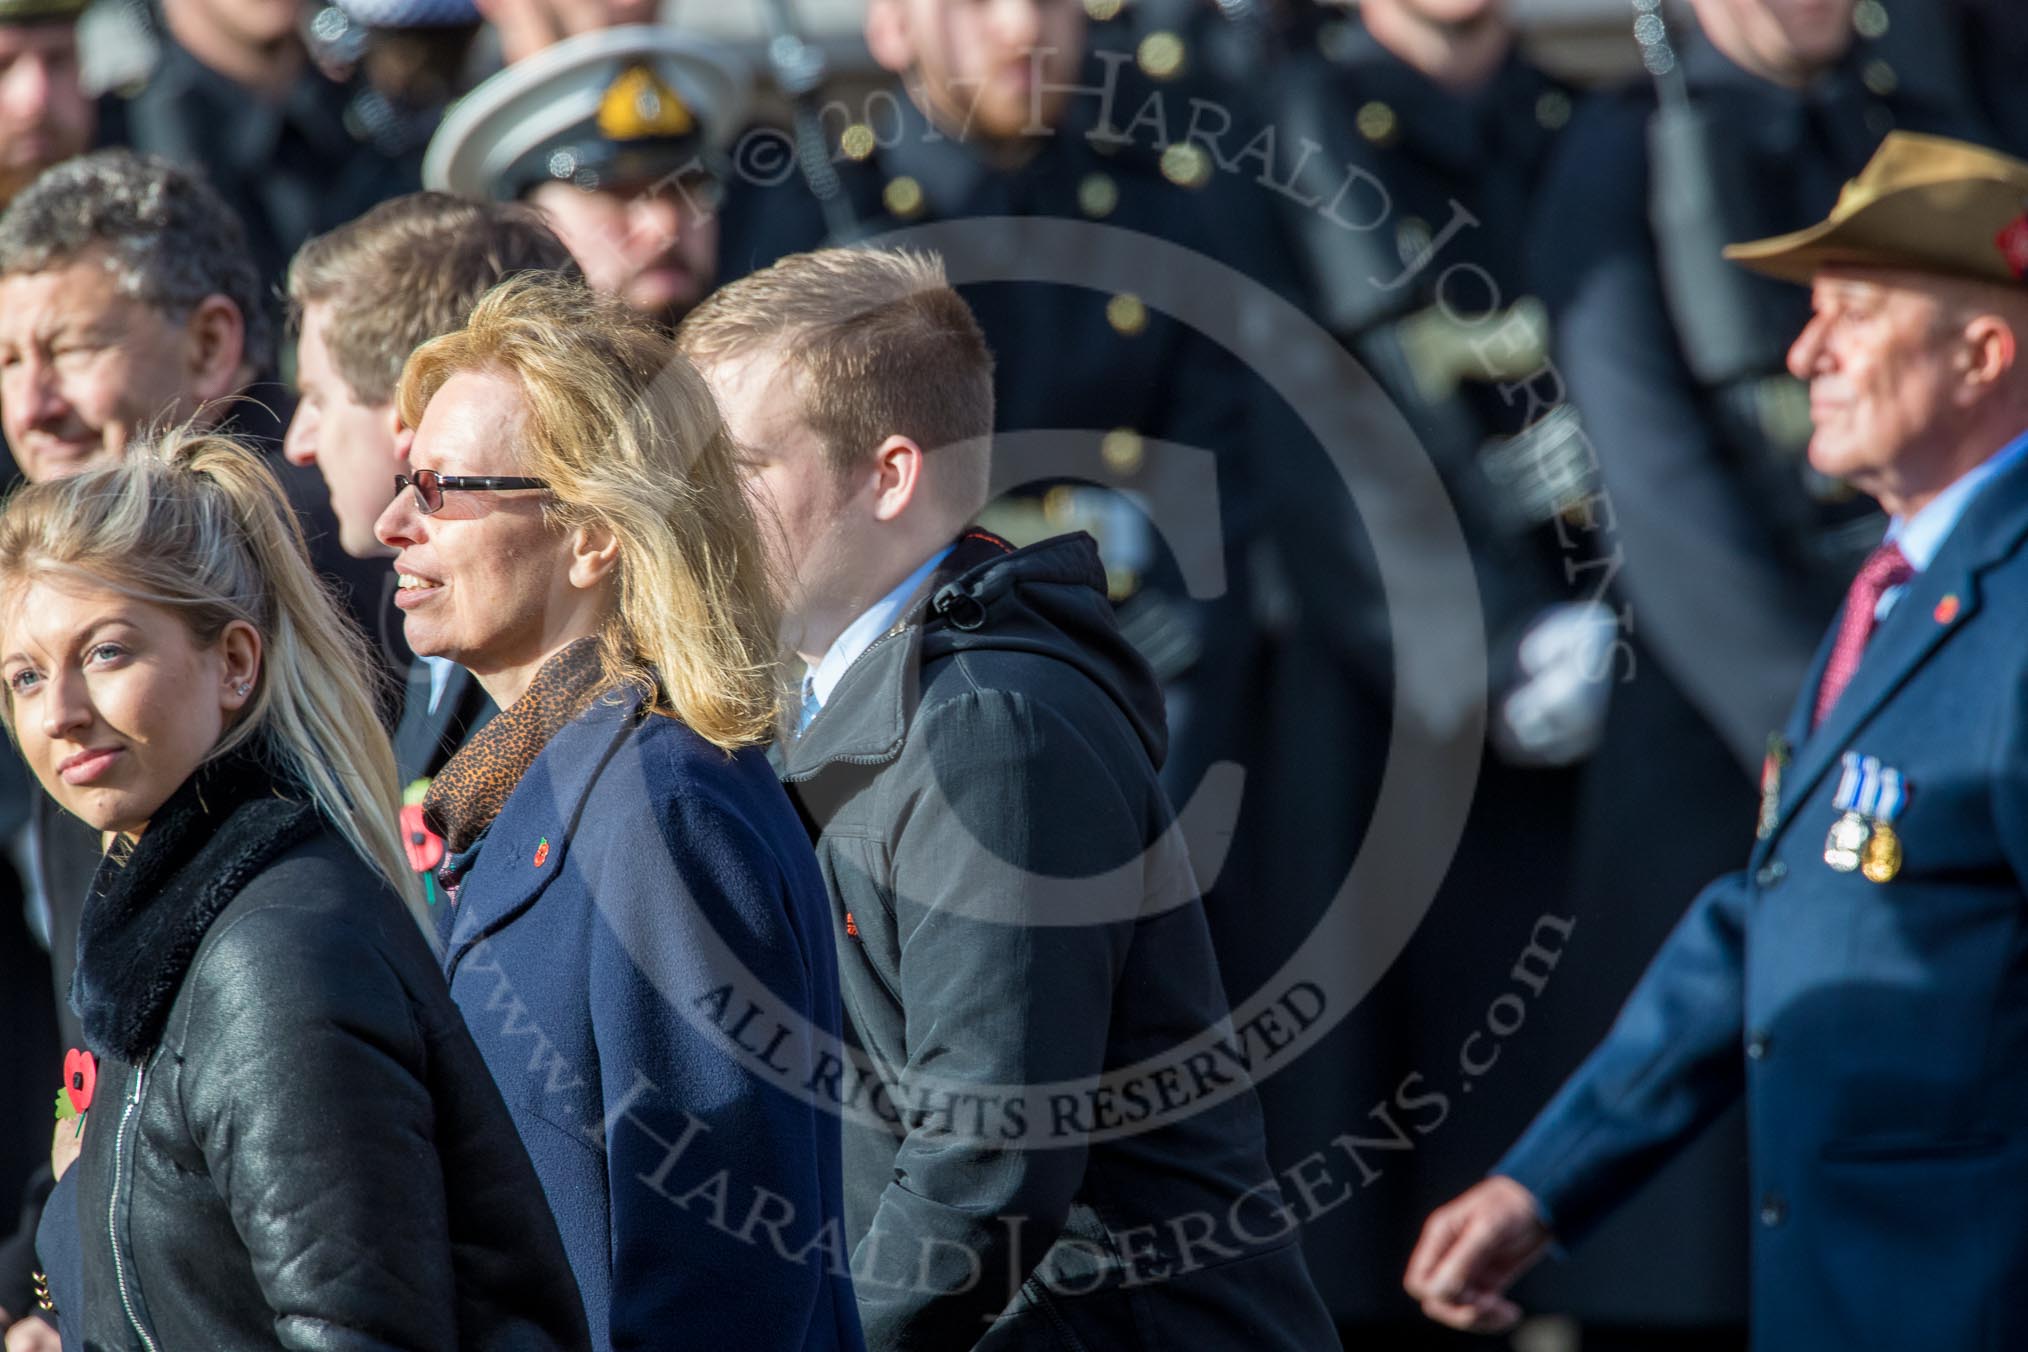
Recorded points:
(874,621)
(1922,535)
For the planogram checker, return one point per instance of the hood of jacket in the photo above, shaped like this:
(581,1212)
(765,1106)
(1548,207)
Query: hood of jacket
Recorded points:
(1048,599)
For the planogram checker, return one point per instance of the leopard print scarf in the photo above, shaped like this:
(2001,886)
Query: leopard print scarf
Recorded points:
(474,784)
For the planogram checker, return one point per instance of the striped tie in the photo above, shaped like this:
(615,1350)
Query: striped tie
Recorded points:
(810,704)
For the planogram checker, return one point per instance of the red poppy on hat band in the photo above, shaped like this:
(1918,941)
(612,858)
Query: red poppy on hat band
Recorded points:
(2013,242)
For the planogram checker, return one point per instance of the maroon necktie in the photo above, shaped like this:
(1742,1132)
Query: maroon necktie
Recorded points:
(1885,568)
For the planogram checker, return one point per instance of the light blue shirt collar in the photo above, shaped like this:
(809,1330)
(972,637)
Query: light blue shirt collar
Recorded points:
(874,621)
(1922,535)
(440,676)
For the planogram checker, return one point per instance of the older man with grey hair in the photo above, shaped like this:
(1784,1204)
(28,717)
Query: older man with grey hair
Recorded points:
(1860,982)
(127,300)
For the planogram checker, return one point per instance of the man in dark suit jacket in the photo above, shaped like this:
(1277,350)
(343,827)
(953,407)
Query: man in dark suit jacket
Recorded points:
(236,93)
(1859,983)
(1021,944)
(1726,552)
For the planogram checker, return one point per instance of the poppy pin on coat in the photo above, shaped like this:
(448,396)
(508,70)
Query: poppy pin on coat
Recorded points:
(542,852)
(80,1080)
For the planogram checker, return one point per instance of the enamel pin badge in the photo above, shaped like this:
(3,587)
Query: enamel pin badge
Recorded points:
(1771,768)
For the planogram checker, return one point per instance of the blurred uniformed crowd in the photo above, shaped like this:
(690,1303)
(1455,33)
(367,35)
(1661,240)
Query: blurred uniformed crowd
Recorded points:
(1430,445)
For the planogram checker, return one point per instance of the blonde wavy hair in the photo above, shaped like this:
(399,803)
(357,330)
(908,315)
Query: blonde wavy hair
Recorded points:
(199,524)
(629,440)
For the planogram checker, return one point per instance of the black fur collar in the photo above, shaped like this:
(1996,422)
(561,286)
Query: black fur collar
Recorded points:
(145,918)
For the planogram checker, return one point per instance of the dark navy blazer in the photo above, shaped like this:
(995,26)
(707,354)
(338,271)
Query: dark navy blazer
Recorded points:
(638,896)
(1879,1031)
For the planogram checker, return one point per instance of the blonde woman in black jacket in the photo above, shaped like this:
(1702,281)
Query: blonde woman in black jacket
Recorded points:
(291,1138)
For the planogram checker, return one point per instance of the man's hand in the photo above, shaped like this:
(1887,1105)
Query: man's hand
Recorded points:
(527,26)
(32,1335)
(65,1147)
(1472,1249)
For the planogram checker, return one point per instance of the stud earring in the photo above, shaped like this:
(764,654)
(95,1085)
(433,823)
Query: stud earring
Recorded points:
(245,686)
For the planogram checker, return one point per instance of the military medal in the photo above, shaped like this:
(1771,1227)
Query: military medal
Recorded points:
(1849,834)
(1771,783)
(1880,860)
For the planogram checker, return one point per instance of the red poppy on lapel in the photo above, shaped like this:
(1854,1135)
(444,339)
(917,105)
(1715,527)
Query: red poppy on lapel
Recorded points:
(80,1078)
(425,847)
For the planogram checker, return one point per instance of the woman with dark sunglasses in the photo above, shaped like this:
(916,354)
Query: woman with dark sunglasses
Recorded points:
(429,486)
(619,872)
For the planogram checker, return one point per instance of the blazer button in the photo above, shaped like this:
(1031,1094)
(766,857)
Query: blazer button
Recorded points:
(1770,873)
(1773,1210)
(1758,1046)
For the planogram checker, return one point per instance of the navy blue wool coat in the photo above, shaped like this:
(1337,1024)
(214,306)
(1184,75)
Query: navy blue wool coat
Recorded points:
(644,955)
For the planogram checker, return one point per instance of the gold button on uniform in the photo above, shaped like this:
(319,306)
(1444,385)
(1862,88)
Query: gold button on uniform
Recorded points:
(1123,451)
(1058,504)
(1412,237)
(1161,55)
(1097,195)
(902,196)
(1186,165)
(856,141)
(1377,123)
(1338,41)
(1126,313)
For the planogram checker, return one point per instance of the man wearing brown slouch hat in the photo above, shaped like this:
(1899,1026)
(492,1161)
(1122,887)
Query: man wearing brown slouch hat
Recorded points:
(1860,981)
